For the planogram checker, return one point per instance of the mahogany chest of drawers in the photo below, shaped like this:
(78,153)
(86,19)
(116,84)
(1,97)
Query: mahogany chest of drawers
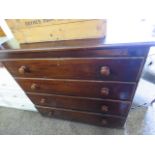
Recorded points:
(85,81)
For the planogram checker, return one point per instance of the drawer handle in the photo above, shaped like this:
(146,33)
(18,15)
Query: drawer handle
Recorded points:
(22,69)
(34,86)
(104,122)
(42,101)
(104,108)
(50,113)
(105,71)
(105,91)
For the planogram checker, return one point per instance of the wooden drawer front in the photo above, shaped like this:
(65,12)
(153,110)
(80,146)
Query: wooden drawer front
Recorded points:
(75,53)
(97,89)
(85,68)
(85,104)
(85,117)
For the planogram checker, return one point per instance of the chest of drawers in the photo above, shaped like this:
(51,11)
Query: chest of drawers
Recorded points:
(85,81)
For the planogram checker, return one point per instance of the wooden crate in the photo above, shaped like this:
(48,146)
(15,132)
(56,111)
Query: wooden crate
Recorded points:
(57,30)
(29,23)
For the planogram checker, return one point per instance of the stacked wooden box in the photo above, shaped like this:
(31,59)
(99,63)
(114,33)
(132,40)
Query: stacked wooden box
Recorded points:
(40,30)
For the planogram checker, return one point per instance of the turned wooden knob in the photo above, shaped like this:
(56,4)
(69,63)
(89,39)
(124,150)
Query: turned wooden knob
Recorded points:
(105,91)
(42,101)
(22,69)
(34,86)
(50,113)
(104,122)
(105,71)
(104,108)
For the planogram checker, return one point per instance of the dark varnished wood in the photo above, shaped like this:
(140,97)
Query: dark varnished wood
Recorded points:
(85,44)
(83,104)
(74,53)
(85,68)
(120,91)
(85,117)
(91,81)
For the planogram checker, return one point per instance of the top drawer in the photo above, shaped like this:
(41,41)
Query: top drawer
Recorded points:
(107,69)
(38,51)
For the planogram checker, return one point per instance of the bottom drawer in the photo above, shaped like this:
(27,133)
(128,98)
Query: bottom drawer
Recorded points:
(85,117)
